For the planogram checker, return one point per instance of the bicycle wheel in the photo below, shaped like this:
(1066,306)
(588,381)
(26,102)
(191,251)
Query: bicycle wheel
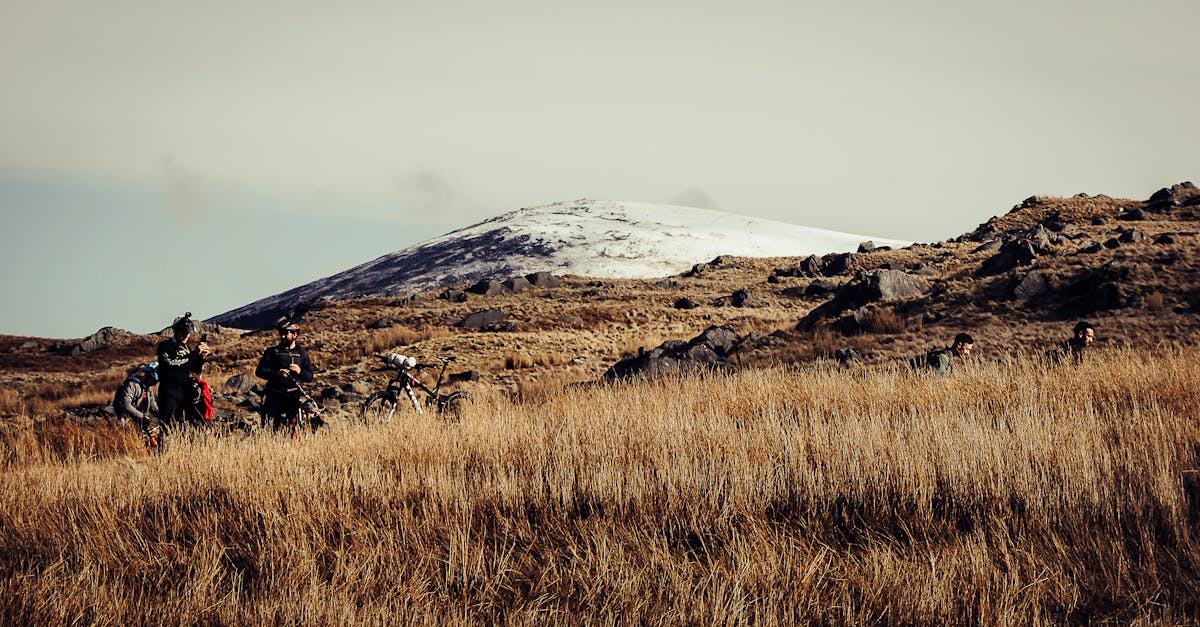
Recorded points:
(451,407)
(379,407)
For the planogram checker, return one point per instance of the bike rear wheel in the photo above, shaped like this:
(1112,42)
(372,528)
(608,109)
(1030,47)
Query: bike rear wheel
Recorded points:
(450,407)
(379,407)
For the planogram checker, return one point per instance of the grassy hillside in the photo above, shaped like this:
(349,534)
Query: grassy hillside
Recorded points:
(1010,493)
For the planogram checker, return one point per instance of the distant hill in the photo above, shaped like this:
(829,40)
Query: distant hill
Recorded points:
(590,238)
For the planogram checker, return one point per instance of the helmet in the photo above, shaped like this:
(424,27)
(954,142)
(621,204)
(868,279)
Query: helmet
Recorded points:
(184,325)
(150,372)
(285,324)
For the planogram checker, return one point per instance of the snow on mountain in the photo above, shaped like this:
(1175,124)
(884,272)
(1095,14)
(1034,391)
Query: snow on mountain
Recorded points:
(603,239)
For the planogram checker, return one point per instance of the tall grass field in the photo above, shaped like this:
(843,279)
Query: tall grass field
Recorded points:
(1010,493)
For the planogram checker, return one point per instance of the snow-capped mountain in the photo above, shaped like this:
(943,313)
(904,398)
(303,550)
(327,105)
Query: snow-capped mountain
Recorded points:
(603,239)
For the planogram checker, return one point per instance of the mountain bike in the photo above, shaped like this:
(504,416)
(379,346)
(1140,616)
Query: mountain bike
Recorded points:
(305,418)
(380,406)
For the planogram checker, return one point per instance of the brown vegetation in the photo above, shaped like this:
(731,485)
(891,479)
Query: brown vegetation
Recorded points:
(1008,494)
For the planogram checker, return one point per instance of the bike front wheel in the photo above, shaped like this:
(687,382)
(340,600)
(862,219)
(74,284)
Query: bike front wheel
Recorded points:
(379,407)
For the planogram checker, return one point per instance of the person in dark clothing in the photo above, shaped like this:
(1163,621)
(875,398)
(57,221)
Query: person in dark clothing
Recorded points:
(135,399)
(1082,337)
(940,361)
(178,367)
(283,366)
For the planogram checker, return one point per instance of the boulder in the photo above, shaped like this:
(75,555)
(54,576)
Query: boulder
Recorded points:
(454,296)
(239,384)
(543,280)
(835,264)
(891,285)
(685,303)
(382,323)
(820,287)
(469,376)
(812,266)
(487,287)
(743,298)
(1099,220)
(988,246)
(1165,238)
(481,319)
(1132,236)
(1132,215)
(517,285)
(1031,286)
(710,349)
(866,247)
(101,339)
(1018,252)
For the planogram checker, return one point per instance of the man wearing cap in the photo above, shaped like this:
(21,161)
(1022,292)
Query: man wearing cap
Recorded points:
(178,366)
(283,366)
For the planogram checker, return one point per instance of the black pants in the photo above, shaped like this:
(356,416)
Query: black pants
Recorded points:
(280,409)
(177,407)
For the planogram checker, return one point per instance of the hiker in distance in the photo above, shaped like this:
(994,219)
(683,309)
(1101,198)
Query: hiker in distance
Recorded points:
(1082,337)
(283,366)
(178,368)
(135,399)
(941,361)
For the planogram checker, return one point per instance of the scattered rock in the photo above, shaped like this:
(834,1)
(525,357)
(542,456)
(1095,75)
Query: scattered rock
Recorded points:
(1099,220)
(382,323)
(239,384)
(1133,214)
(101,339)
(487,287)
(1087,247)
(988,246)
(710,349)
(1031,286)
(481,319)
(543,280)
(1132,236)
(838,263)
(743,298)
(454,296)
(685,303)
(820,287)
(469,376)
(1165,238)
(516,285)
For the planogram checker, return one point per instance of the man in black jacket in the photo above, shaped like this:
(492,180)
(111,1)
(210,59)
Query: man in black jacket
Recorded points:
(178,367)
(284,366)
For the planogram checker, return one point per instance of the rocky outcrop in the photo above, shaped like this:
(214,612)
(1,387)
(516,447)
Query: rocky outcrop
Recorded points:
(711,349)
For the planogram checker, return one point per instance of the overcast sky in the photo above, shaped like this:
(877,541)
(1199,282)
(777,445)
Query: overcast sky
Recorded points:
(157,157)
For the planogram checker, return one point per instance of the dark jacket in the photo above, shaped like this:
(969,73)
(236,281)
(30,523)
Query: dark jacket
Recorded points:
(176,365)
(134,398)
(278,358)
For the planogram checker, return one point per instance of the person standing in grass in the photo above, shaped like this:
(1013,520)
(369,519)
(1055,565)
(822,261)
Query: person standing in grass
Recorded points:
(178,368)
(941,361)
(1074,349)
(284,366)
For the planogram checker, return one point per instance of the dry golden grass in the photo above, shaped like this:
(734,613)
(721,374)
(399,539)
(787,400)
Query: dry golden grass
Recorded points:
(1008,494)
